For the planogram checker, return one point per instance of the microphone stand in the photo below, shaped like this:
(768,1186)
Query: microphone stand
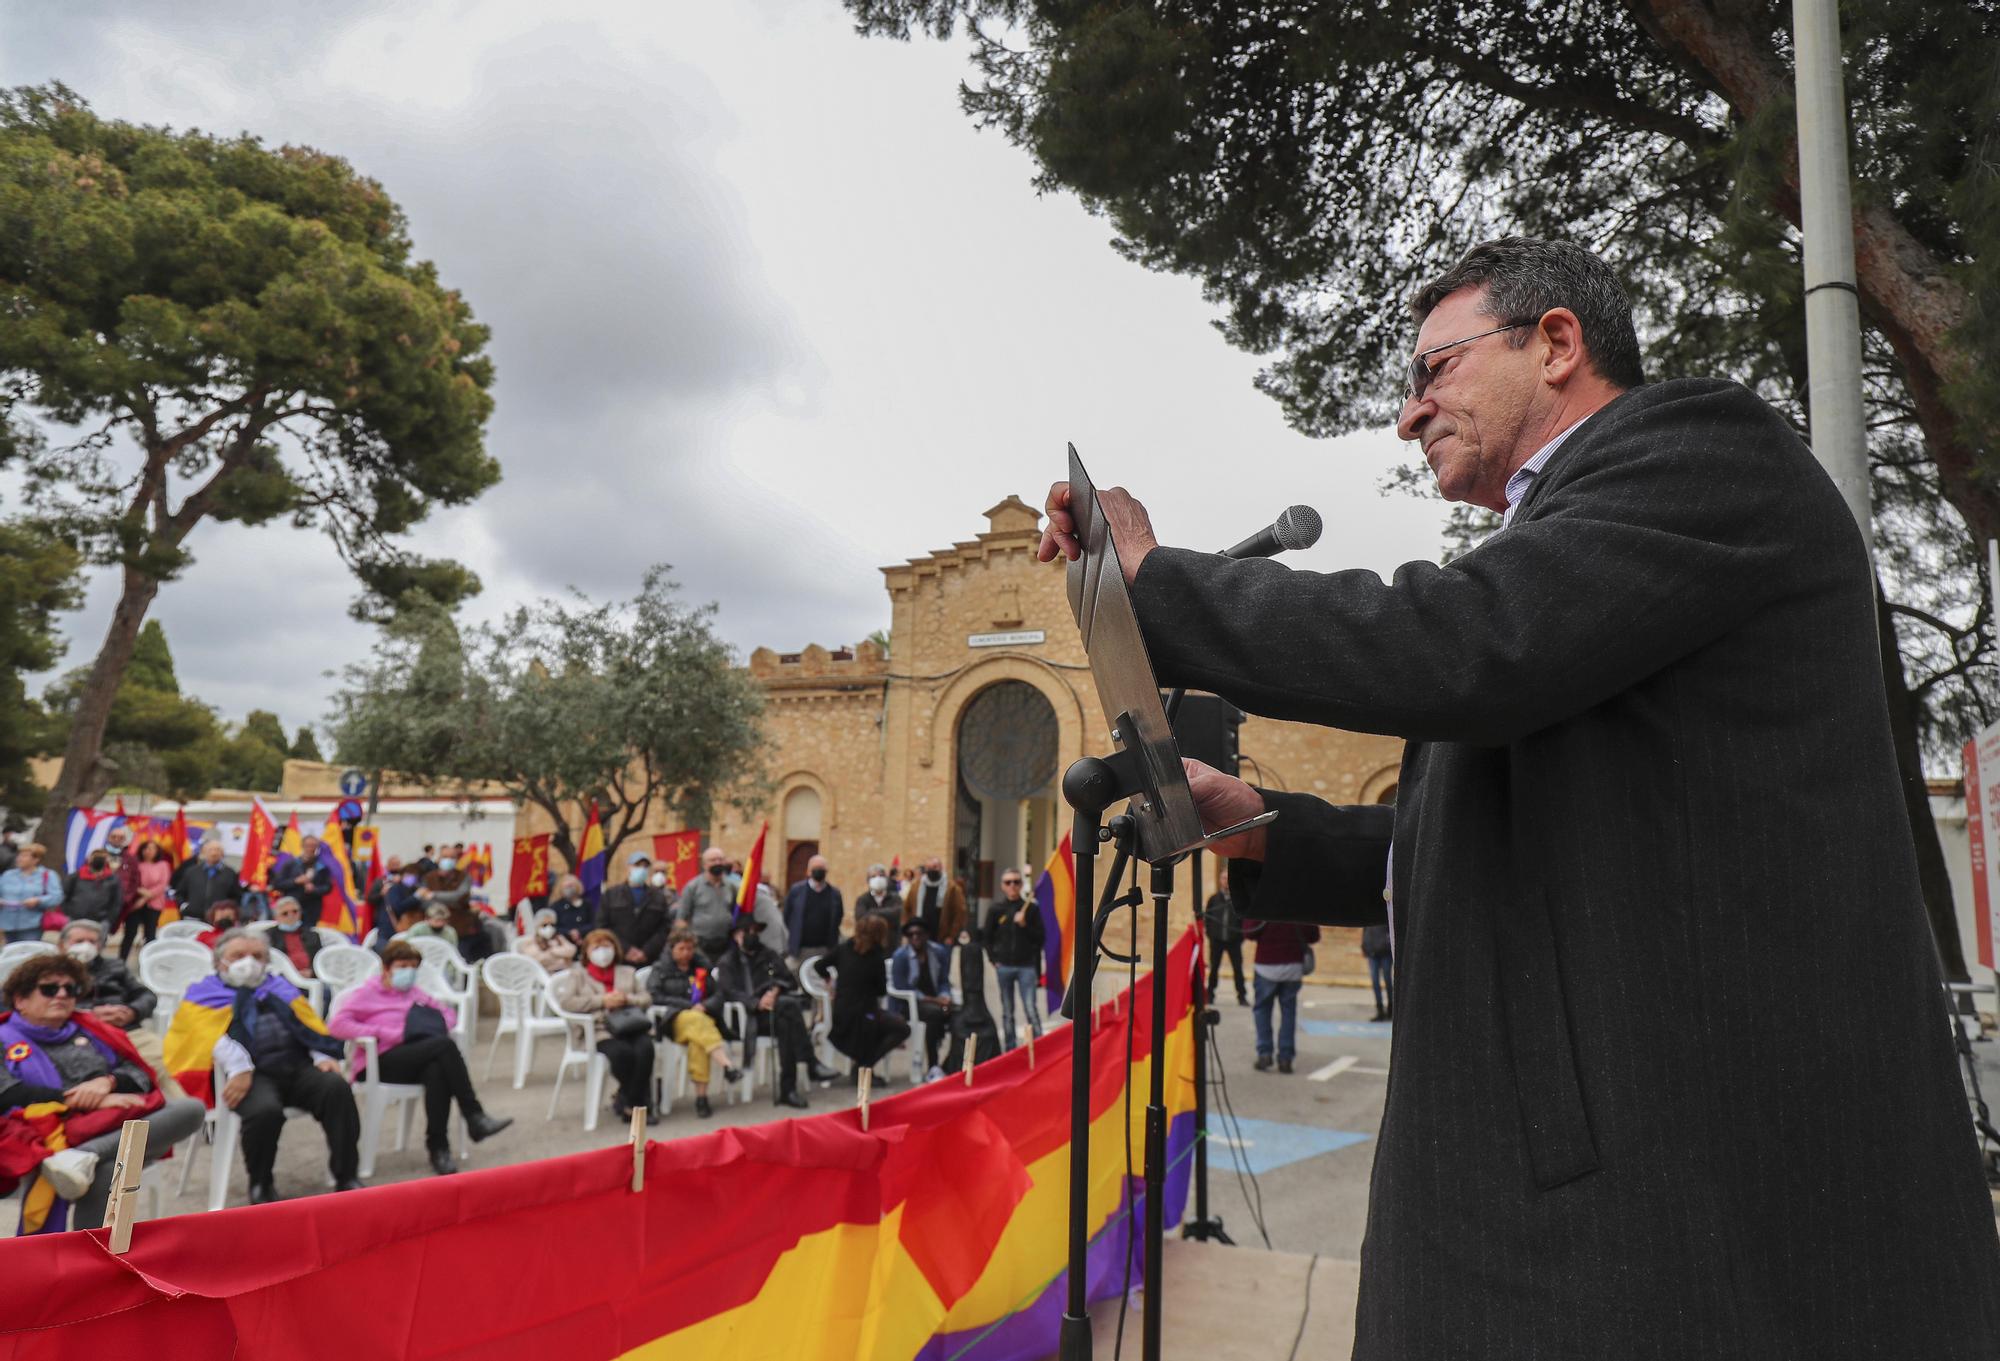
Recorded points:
(1201,1228)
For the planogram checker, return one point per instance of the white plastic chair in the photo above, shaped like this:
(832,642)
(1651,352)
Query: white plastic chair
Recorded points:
(20,951)
(450,979)
(170,968)
(579,1046)
(736,1016)
(185,929)
(225,1132)
(344,966)
(821,1026)
(918,1039)
(517,981)
(375,1096)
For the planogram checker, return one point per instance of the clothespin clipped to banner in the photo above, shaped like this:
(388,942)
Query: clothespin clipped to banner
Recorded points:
(969,1065)
(125,1175)
(1031,1049)
(867,1080)
(638,1148)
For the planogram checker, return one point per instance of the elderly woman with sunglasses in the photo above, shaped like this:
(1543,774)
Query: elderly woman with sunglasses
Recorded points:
(67,1082)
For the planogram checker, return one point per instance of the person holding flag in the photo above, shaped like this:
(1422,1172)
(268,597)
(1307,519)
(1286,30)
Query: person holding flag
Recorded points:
(307,876)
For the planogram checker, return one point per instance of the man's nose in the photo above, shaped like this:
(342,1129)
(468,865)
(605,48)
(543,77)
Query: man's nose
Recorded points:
(1410,421)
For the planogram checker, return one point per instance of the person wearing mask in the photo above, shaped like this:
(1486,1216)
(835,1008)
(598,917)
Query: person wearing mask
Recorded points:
(684,986)
(1013,938)
(377,896)
(148,877)
(290,938)
(546,945)
(755,976)
(119,842)
(637,913)
(53,1053)
(862,1028)
(881,900)
(813,914)
(111,994)
(404,900)
(575,916)
(412,1031)
(305,878)
(96,892)
(923,967)
(450,887)
(1225,934)
(707,907)
(27,891)
(204,881)
(221,917)
(938,904)
(608,989)
(247,1037)
(1283,949)
(436,923)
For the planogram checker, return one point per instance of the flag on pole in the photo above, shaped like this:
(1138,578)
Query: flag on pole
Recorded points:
(292,844)
(753,874)
(368,855)
(591,858)
(347,905)
(87,830)
(258,843)
(1055,899)
(679,853)
(177,836)
(528,876)
(120,809)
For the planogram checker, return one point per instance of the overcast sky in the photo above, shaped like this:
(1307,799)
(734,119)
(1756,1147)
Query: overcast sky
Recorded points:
(765,304)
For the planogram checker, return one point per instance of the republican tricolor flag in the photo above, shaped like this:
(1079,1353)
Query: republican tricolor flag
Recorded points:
(1055,899)
(753,874)
(591,857)
(345,907)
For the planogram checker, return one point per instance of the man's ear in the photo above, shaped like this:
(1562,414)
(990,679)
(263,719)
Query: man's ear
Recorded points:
(1562,337)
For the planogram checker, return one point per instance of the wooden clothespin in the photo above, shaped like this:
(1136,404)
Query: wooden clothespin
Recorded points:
(969,1065)
(638,1149)
(867,1081)
(1031,1049)
(125,1175)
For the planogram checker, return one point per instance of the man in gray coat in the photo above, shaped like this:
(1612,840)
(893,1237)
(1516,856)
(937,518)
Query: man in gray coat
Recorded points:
(1673,1069)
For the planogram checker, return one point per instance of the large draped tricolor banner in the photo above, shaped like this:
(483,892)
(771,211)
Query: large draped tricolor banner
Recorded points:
(938,1234)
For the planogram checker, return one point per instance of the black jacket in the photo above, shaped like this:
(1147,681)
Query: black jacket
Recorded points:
(308,883)
(1673,1075)
(745,978)
(198,890)
(674,988)
(112,984)
(94,897)
(1017,941)
(638,917)
(860,981)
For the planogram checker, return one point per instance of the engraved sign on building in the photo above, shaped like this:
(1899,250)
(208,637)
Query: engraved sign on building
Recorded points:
(1018,638)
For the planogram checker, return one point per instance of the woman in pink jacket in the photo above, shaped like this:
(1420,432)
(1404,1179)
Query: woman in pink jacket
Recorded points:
(412,1031)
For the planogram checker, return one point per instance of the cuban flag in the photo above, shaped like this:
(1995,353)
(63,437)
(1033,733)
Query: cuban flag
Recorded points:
(88,830)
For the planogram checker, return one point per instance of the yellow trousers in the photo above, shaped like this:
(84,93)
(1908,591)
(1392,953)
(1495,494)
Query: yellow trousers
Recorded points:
(697,1031)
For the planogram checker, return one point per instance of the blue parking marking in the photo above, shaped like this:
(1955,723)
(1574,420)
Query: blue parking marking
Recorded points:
(1269,1144)
(1367,1030)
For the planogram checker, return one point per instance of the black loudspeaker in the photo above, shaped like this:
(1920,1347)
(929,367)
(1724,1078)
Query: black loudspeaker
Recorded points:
(1205,727)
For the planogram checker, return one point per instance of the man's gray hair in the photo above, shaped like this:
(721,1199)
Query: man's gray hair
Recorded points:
(1525,278)
(241,933)
(96,928)
(284,898)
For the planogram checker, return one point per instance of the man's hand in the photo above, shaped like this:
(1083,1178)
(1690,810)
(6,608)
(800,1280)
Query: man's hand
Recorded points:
(768,1000)
(88,1096)
(238,1087)
(326,1065)
(1131,528)
(1223,801)
(111,1013)
(634,955)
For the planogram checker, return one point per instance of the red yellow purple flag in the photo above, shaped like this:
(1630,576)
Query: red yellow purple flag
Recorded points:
(1055,898)
(258,844)
(753,872)
(346,901)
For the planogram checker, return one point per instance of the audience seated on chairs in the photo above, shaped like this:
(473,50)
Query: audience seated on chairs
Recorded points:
(923,966)
(67,1082)
(546,945)
(684,985)
(756,976)
(436,922)
(291,938)
(247,1036)
(609,989)
(861,1027)
(414,1044)
(221,916)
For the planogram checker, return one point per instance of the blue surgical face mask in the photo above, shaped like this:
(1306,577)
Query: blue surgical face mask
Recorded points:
(409,881)
(637,876)
(402,979)
(290,926)
(446,864)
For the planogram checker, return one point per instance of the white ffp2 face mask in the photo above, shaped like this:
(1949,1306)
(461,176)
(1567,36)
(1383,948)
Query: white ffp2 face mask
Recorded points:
(878,884)
(245,971)
(602,956)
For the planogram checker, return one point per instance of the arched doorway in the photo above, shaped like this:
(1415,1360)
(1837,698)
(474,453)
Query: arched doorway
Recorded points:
(1005,814)
(802,810)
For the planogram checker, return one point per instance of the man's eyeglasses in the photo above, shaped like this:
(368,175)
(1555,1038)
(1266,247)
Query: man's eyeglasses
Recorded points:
(1010,883)
(1421,373)
(56,989)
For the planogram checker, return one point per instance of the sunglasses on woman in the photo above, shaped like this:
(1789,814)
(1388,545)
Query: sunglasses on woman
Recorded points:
(56,989)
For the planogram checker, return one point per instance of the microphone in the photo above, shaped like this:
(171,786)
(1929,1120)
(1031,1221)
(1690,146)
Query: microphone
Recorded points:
(1296,527)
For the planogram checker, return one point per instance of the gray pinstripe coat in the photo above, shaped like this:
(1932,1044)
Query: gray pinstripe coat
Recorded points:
(1671,1070)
